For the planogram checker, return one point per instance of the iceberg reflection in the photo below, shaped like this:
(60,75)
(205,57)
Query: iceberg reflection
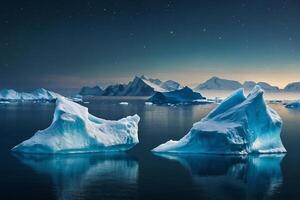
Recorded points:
(87,176)
(227,177)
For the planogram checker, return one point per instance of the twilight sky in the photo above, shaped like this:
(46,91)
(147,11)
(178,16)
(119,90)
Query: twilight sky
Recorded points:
(67,44)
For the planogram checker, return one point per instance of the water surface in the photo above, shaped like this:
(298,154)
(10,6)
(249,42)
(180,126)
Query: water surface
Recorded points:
(139,174)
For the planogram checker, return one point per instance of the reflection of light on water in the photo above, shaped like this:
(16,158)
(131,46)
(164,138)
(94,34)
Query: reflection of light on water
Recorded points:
(222,177)
(80,176)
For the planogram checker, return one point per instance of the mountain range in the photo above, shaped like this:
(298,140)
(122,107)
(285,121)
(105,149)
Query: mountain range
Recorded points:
(139,86)
(144,86)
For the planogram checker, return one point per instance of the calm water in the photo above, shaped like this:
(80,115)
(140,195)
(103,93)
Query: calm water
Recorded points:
(139,174)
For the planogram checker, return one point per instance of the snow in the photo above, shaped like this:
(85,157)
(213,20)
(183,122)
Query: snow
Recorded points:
(239,125)
(249,85)
(38,94)
(182,96)
(148,103)
(293,87)
(170,85)
(123,103)
(141,86)
(293,104)
(216,83)
(74,130)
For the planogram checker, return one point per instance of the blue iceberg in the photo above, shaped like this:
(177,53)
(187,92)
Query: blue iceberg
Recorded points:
(239,125)
(74,130)
(181,96)
(293,104)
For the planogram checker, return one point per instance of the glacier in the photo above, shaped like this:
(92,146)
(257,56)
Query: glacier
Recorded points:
(239,125)
(40,94)
(74,130)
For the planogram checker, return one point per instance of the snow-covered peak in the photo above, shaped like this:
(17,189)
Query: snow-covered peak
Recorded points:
(249,85)
(216,83)
(293,87)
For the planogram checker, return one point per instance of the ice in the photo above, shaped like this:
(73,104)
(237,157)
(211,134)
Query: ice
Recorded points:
(239,125)
(124,103)
(148,103)
(74,130)
(181,96)
(293,104)
(38,94)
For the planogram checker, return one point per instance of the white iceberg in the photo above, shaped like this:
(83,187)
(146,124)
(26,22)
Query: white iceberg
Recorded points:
(74,130)
(36,95)
(293,104)
(239,125)
(123,103)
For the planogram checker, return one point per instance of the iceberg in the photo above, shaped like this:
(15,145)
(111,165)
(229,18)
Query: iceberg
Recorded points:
(293,104)
(182,96)
(124,103)
(40,94)
(239,125)
(74,130)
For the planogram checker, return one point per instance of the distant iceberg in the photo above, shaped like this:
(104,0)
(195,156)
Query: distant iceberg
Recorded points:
(36,95)
(74,130)
(181,96)
(124,103)
(239,125)
(293,104)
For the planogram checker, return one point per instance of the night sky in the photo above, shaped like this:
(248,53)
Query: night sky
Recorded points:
(68,44)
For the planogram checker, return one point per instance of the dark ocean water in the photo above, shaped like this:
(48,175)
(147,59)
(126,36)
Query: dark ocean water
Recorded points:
(140,174)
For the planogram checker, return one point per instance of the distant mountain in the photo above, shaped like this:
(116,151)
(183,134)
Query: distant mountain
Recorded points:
(139,86)
(249,85)
(292,87)
(38,94)
(91,91)
(184,95)
(216,83)
(170,85)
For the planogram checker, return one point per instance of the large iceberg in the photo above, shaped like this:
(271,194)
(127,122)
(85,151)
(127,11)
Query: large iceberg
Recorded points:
(239,125)
(38,95)
(74,130)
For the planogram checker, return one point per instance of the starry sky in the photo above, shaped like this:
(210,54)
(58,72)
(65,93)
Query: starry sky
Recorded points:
(71,43)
